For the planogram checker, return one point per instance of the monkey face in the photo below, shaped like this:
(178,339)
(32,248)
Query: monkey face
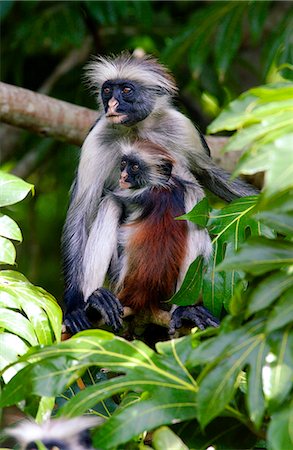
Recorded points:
(126,102)
(134,173)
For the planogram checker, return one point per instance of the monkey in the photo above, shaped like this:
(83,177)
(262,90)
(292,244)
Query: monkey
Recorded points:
(151,251)
(55,434)
(135,98)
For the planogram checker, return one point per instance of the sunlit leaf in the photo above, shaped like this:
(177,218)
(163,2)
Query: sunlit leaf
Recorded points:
(164,438)
(24,329)
(9,229)
(278,369)
(7,251)
(171,388)
(12,189)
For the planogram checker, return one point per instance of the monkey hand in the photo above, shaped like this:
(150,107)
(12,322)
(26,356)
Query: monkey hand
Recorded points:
(197,316)
(104,306)
(77,321)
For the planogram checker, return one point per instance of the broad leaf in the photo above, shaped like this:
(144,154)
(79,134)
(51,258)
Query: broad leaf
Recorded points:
(217,384)
(282,313)
(24,329)
(189,292)
(199,214)
(260,255)
(9,229)
(11,348)
(267,290)
(40,307)
(7,251)
(278,370)
(12,189)
(169,385)
(164,438)
(280,432)
(230,226)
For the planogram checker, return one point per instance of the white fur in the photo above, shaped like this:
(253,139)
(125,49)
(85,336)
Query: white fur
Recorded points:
(66,430)
(101,246)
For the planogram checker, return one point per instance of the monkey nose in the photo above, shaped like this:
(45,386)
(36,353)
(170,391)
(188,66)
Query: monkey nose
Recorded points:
(113,103)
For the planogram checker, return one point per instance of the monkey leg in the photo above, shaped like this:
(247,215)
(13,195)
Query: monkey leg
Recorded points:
(197,316)
(104,306)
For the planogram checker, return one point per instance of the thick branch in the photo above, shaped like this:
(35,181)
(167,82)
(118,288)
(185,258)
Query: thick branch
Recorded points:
(44,115)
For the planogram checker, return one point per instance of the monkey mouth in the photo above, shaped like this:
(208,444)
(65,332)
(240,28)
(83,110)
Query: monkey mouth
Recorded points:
(124,184)
(116,118)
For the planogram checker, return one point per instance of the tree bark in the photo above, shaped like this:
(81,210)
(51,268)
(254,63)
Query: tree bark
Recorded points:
(44,115)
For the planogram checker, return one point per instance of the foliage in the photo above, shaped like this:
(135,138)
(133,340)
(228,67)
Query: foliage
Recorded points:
(229,387)
(28,315)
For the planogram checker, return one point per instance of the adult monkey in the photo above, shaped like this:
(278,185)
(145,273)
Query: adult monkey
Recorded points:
(136,97)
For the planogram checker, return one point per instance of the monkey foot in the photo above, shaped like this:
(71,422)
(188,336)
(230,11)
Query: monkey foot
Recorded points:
(105,306)
(197,316)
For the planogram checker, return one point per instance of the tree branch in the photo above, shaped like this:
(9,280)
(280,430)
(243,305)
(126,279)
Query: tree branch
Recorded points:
(44,115)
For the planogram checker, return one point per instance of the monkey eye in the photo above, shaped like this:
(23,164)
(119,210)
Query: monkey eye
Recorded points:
(126,90)
(123,164)
(106,90)
(135,167)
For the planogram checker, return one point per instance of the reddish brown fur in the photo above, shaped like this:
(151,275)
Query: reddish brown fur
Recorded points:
(156,251)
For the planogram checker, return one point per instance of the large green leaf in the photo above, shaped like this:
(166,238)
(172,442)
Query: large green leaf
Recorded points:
(263,293)
(260,255)
(221,377)
(281,203)
(278,370)
(9,229)
(164,438)
(11,347)
(230,226)
(12,189)
(199,214)
(7,251)
(171,388)
(280,431)
(189,291)
(24,329)
(40,307)
(282,313)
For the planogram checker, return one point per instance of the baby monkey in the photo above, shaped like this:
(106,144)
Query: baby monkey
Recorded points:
(153,250)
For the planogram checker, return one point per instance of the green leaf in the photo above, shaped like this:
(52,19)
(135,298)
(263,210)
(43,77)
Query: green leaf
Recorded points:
(280,434)
(169,387)
(12,189)
(267,290)
(199,214)
(218,383)
(7,251)
(11,347)
(24,329)
(278,370)
(228,38)
(230,226)
(282,313)
(189,291)
(9,229)
(257,14)
(260,255)
(39,306)
(164,438)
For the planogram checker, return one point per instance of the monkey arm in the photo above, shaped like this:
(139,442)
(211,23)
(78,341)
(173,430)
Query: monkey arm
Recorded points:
(100,248)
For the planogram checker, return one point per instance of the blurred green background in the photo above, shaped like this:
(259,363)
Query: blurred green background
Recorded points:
(215,49)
